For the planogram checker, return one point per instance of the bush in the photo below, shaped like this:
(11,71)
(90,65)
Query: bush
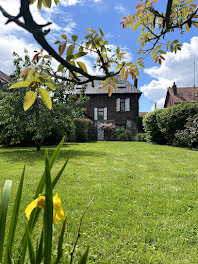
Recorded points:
(151,128)
(174,118)
(109,129)
(189,136)
(123,135)
(161,125)
(83,129)
(139,124)
(141,137)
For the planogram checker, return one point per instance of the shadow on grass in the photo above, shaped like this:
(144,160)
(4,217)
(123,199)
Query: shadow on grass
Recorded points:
(32,155)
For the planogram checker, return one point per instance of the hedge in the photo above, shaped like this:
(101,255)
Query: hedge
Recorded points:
(161,125)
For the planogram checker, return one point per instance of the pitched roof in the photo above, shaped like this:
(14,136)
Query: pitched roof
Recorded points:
(184,94)
(123,85)
(4,77)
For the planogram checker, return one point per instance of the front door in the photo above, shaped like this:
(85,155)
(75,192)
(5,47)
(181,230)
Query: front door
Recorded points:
(100,132)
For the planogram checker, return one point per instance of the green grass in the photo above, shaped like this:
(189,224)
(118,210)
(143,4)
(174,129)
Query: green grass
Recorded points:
(145,206)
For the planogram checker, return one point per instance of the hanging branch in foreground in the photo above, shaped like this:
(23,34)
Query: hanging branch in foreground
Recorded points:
(72,67)
(155,25)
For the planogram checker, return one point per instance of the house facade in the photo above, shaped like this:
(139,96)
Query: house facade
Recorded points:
(176,95)
(120,109)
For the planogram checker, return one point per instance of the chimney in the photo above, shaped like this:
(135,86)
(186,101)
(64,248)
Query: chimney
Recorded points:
(174,87)
(136,82)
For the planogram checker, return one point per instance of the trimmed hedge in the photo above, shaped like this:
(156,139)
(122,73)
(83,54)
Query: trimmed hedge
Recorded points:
(83,129)
(161,125)
(151,128)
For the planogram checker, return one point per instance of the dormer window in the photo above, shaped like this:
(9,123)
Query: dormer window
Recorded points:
(121,85)
(79,86)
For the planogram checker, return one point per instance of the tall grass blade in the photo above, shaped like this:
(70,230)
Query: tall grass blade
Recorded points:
(39,253)
(84,258)
(30,247)
(48,214)
(14,219)
(60,243)
(3,213)
(51,163)
(59,174)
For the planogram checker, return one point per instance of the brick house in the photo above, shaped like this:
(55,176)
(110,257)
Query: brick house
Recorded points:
(121,108)
(177,95)
(4,78)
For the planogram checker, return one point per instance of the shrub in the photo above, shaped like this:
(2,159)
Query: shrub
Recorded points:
(83,129)
(141,137)
(189,136)
(139,124)
(174,118)
(109,129)
(123,135)
(151,128)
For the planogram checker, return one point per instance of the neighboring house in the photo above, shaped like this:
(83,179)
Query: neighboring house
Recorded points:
(4,78)
(177,95)
(142,114)
(121,108)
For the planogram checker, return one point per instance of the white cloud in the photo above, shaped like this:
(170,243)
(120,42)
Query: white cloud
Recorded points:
(177,68)
(75,2)
(121,9)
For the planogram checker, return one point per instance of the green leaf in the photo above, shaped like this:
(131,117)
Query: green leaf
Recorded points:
(59,174)
(83,259)
(22,84)
(175,41)
(14,219)
(39,4)
(136,25)
(70,50)
(50,85)
(29,99)
(45,97)
(60,243)
(39,252)
(82,66)
(48,213)
(60,68)
(48,3)
(106,82)
(74,38)
(30,247)
(101,33)
(79,54)
(3,213)
(92,30)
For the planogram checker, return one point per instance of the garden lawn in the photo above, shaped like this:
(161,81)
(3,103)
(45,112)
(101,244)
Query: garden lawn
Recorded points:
(145,207)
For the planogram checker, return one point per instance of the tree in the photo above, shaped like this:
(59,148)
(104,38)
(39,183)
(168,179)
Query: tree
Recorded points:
(155,25)
(37,124)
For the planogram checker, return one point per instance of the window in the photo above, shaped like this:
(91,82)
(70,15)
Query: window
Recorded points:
(79,86)
(121,85)
(100,113)
(122,105)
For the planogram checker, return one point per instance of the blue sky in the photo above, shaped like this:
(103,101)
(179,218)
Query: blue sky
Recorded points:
(75,16)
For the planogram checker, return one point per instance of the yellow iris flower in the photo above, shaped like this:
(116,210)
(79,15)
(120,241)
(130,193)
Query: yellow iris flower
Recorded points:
(58,213)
